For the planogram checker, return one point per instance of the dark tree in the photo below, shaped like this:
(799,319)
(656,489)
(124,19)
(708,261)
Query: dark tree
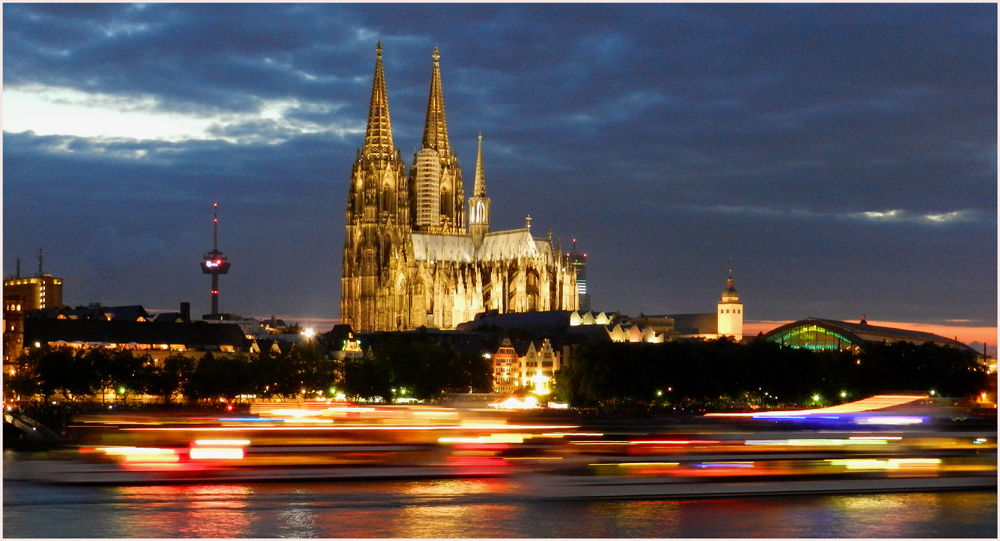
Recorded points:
(127,373)
(100,362)
(223,376)
(24,381)
(170,377)
(367,378)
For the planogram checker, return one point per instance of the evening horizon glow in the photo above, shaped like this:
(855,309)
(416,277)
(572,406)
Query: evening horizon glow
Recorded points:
(840,159)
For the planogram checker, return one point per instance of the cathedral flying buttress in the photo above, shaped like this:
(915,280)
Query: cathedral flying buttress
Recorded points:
(410,259)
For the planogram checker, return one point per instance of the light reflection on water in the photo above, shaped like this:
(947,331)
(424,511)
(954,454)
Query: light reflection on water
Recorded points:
(185,511)
(472,508)
(297,522)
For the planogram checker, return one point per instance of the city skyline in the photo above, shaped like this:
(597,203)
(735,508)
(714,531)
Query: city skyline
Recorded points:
(839,159)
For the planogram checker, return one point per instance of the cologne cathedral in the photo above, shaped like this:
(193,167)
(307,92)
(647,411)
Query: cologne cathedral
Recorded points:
(413,255)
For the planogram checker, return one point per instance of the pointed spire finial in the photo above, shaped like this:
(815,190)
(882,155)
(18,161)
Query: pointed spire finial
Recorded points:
(479,190)
(435,126)
(378,134)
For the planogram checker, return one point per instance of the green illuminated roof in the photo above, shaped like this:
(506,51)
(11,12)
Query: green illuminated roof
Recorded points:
(833,334)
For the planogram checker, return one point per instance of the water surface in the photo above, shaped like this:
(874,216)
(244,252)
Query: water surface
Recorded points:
(467,508)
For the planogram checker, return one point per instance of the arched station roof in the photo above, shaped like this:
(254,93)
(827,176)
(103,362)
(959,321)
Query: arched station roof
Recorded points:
(816,333)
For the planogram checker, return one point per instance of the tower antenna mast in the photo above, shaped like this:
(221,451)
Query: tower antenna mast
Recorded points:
(215,263)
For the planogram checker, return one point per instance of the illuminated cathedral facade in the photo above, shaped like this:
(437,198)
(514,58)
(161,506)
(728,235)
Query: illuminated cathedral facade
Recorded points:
(414,256)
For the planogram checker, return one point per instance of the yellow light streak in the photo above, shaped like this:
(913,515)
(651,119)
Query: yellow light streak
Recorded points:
(492,438)
(891,464)
(141,454)
(222,442)
(211,453)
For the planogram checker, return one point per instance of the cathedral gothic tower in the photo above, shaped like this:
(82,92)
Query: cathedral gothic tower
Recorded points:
(409,260)
(437,194)
(376,247)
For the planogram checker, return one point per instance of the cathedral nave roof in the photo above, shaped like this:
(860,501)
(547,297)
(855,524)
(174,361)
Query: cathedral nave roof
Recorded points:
(506,245)
(431,247)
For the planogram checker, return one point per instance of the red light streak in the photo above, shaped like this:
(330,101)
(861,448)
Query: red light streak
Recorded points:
(347,427)
(163,466)
(671,442)
(469,461)
(482,446)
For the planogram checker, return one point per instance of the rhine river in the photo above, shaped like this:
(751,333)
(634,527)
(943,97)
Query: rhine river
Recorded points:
(466,508)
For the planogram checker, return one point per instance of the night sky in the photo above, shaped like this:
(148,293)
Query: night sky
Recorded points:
(840,159)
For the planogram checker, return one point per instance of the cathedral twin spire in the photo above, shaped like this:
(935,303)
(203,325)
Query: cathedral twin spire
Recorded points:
(378,135)
(435,127)
(435,191)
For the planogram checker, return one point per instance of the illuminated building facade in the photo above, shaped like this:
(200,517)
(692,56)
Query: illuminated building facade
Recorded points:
(538,365)
(829,334)
(506,368)
(529,365)
(411,258)
(13,329)
(24,294)
(36,292)
(579,263)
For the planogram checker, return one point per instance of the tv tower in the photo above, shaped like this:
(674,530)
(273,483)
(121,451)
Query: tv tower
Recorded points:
(215,264)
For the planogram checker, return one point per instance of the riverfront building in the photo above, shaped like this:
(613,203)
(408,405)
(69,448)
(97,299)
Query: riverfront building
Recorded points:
(22,295)
(525,364)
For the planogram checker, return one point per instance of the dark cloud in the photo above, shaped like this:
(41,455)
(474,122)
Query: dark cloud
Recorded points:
(674,141)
